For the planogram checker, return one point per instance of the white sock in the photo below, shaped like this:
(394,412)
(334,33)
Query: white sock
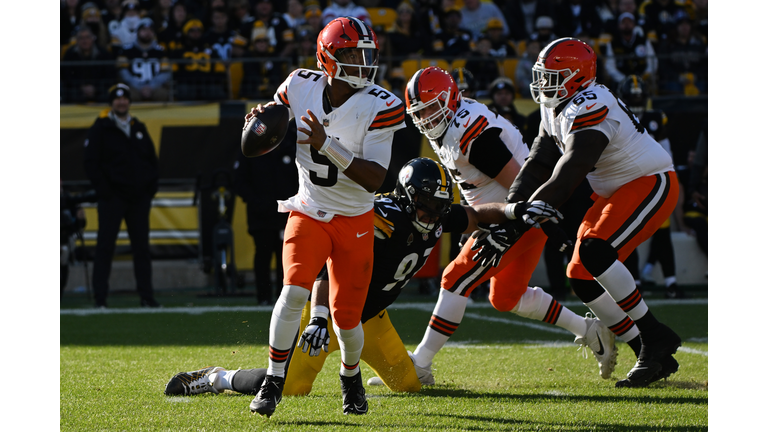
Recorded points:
(222,380)
(351,346)
(286,317)
(539,305)
(670,280)
(618,281)
(446,317)
(605,308)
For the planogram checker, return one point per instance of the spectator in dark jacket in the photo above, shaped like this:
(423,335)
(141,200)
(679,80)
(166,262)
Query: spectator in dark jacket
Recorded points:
(260,182)
(121,162)
(87,82)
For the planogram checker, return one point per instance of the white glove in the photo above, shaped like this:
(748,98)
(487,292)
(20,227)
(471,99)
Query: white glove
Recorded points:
(315,337)
(532,213)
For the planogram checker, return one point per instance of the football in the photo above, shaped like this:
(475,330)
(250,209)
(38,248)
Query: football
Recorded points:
(265,131)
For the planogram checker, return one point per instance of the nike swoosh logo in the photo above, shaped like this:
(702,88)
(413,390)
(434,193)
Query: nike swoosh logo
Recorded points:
(465,124)
(360,235)
(601,351)
(590,106)
(382,315)
(390,102)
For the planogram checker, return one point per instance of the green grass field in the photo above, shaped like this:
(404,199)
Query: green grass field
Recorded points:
(498,372)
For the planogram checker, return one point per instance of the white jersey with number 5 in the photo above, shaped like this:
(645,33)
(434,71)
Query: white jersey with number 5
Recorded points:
(364,124)
(631,152)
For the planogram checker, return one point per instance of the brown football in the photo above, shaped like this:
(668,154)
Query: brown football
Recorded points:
(265,131)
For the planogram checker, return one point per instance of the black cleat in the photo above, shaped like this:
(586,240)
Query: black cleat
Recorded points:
(192,383)
(655,360)
(269,396)
(353,394)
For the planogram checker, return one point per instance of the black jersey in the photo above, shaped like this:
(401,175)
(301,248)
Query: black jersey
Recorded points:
(400,251)
(655,122)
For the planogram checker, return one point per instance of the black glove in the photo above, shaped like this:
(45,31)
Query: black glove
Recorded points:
(315,337)
(534,212)
(491,243)
(556,234)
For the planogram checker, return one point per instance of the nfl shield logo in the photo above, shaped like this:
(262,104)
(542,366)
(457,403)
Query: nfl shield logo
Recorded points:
(326,122)
(259,128)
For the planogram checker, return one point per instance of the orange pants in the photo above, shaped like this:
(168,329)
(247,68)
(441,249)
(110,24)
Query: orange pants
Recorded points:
(628,218)
(509,280)
(346,244)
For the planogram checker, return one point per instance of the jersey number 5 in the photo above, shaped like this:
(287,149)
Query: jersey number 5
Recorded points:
(332,173)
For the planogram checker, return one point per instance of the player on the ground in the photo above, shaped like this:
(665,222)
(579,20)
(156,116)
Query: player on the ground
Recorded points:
(483,153)
(586,131)
(408,224)
(346,125)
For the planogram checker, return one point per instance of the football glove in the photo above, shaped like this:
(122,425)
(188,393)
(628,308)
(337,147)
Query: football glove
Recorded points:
(491,243)
(556,234)
(532,213)
(315,337)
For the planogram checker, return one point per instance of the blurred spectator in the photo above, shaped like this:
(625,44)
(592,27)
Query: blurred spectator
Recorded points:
(219,37)
(452,40)
(659,18)
(171,37)
(91,18)
(144,66)
(342,8)
(112,11)
(121,163)
(198,72)
(407,38)
(502,92)
(521,16)
(623,6)
(314,17)
(629,53)
(683,60)
(476,14)
(465,81)
(524,70)
(544,30)
(88,82)
(162,14)
(577,18)
(265,224)
(696,206)
(124,31)
(280,35)
(205,13)
(700,18)
(501,46)
(483,65)
(262,72)
(305,55)
(294,15)
(239,13)
(70,14)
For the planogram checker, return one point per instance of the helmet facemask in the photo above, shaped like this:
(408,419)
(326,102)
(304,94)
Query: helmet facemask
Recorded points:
(442,116)
(355,66)
(548,85)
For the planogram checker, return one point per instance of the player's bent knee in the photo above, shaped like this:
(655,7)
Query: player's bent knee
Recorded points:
(533,304)
(293,297)
(597,255)
(508,301)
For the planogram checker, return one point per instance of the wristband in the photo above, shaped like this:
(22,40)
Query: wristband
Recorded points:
(509,211)
(320,312)
(337,153)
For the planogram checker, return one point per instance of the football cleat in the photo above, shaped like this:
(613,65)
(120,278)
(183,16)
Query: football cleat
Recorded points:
(269,396)
(423,373)
(192,383)
(655,360)
(353,394)
(602,342)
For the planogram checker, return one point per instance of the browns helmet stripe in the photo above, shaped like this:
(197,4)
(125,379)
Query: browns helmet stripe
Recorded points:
(413,86)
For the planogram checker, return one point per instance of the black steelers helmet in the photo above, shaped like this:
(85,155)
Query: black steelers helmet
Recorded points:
(633,92)
(465,81)
(426,185)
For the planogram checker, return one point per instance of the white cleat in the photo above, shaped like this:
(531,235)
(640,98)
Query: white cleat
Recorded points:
(423,373)
(192,383)
(375,381)
(602,342)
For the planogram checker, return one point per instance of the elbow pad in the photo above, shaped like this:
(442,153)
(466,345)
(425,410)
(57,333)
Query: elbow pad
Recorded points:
(536,170)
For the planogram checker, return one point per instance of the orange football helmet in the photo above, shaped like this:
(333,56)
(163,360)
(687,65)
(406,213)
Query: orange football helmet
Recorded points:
(426,88)
(347,44)
(563,68)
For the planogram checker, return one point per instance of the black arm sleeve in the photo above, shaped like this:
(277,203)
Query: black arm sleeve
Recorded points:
(457,220)
(489,153)
(537,169)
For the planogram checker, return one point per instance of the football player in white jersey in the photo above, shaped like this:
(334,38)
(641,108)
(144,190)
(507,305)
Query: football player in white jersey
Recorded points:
(586,131)
(484,153)
(346,125)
